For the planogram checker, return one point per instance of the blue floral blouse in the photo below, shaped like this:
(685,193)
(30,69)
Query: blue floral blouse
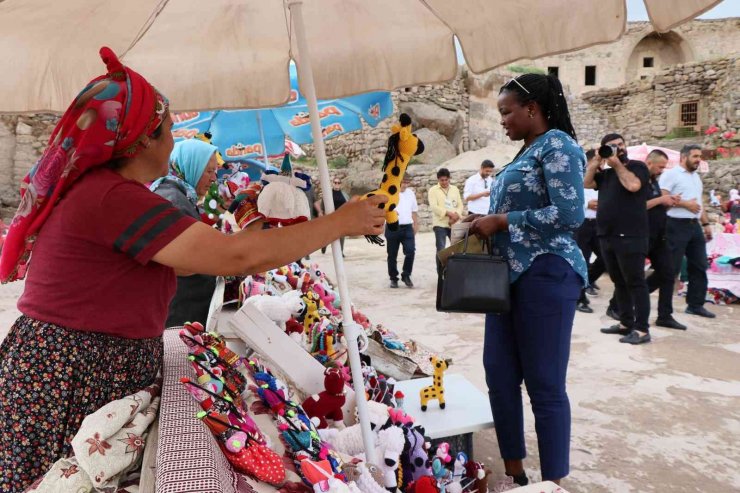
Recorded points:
(541,192)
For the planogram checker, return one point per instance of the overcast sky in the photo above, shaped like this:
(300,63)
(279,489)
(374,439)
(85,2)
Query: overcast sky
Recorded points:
(728,8)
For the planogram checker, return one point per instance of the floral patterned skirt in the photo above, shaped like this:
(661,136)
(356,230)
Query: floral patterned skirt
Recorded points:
(50,379)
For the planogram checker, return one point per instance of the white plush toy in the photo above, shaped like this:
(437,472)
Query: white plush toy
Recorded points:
(349,440)
(279,309)
(389,448)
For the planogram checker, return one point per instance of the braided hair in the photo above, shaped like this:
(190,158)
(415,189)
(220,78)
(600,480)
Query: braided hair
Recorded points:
(547,92)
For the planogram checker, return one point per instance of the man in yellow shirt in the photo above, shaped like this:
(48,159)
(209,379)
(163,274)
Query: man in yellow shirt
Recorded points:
(447,207)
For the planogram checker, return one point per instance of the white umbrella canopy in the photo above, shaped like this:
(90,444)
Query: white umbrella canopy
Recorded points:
(235,53)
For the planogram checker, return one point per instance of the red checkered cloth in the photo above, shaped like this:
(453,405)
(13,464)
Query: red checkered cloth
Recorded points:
(188,458)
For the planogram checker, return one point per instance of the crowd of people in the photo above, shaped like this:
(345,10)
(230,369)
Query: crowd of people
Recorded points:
(113,263)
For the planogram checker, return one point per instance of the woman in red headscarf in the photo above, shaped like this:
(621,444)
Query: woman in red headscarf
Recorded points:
(105,254)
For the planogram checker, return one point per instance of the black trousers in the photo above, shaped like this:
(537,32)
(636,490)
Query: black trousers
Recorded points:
(663,275)
(403,237)
(686,238)
(625,261)
(588,242)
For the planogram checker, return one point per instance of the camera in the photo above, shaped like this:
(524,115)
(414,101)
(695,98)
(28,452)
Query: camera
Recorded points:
(608,150)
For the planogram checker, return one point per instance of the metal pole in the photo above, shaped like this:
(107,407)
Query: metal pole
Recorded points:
(262,139)
(351,329)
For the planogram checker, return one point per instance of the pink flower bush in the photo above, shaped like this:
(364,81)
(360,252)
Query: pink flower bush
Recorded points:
(728,135)
(711,130)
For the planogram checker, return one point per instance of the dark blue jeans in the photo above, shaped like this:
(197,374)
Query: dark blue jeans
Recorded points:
(686,238)
(403,237)
(531,343)
(440,236)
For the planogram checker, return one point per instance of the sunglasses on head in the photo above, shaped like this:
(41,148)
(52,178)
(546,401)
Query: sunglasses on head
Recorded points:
(518,84)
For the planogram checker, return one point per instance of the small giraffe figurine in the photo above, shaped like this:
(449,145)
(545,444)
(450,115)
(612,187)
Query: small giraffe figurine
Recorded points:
(437,389)
(402,146)
(312,301)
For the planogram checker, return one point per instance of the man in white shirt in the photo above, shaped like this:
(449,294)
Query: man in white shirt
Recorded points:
(588,241)
(408,226)
(477,189)
(687,226)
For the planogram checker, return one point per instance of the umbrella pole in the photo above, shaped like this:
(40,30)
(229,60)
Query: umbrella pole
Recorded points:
(262,140)
(351,329)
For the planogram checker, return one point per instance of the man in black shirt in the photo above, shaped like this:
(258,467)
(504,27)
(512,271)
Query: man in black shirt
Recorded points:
(659,253)
(622,226)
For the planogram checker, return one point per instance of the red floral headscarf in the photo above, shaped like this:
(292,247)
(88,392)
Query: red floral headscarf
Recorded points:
(113,117)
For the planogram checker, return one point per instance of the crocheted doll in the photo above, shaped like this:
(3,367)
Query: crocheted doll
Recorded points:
(402,145)
(327,405)
(279,309)
(283,201)
(437,389)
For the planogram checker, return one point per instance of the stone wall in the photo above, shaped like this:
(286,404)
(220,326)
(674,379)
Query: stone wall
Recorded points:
(649,109)
(622,61)
(442,108)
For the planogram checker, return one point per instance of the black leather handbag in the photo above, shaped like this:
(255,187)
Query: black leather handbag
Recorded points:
(474,283)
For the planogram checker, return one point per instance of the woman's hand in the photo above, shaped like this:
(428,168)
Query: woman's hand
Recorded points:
(363,217)
(485,226)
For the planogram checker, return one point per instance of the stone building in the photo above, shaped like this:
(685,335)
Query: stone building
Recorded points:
(642,53)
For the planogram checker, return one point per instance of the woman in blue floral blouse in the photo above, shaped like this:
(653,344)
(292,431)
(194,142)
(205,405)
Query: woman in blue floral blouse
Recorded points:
(536,206)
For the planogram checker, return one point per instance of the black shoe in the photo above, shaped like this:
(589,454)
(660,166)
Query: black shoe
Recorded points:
(591,291)
(670,323)
(584,308)
(611,313)
(407,281)
(520,480)
(701,311)
(394,284)
(635,337)
(616,329)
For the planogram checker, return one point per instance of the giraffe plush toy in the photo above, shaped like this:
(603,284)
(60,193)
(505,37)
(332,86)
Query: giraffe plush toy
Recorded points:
(437,389)
(402,146)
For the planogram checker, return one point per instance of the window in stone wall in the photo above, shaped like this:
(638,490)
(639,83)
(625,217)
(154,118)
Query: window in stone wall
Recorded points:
(648,62)
(554,71)
(689,112)
(590,75)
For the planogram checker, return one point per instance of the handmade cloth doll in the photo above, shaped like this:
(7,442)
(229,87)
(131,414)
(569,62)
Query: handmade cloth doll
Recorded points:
(283,201)
(327,405)
(437,389)
(402,145)
(244,206)
(279,309)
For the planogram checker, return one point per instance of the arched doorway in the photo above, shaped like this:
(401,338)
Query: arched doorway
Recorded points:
(655,52)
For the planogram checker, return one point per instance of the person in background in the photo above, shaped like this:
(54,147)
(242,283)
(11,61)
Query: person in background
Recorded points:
(588,241)
(687,227)
(477,190)
(622,226)
(732,206)
(100,254)
(536,206)
(311,197)
(340,198)
(193,166)
(447,207)
(405,236)
(659,253)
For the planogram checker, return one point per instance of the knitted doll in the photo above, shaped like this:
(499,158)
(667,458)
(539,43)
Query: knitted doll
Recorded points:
(402,145)
(283,201)
(327,405)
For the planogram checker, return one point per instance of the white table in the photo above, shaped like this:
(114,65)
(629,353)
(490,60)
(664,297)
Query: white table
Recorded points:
(467,410)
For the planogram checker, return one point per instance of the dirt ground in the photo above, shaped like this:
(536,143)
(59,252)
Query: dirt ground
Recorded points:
(658,417)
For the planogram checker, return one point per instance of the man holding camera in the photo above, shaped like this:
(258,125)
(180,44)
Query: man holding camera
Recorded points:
(622,226)
(687,227)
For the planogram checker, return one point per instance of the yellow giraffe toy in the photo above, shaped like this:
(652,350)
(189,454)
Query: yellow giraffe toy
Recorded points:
(402,146)
(312,301)
(437,389)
